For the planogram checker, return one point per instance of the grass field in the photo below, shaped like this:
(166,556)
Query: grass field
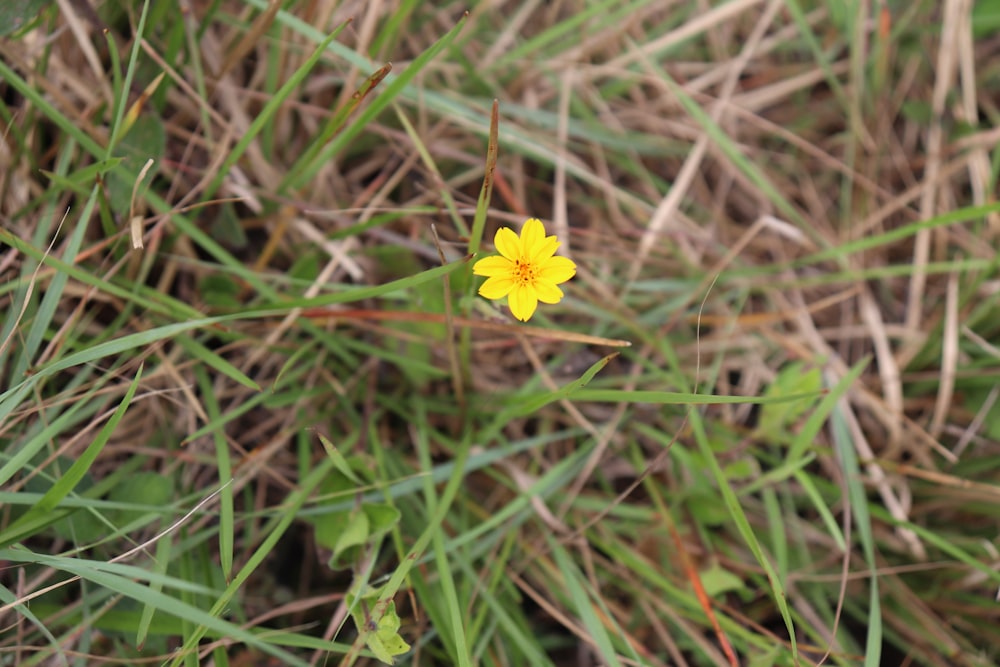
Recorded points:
(253,410)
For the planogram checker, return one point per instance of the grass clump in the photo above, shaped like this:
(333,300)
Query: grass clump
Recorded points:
(253,409)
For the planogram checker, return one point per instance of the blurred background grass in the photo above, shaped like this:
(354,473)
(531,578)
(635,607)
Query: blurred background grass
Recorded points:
(253,412)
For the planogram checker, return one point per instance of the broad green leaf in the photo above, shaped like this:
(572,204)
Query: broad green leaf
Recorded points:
(141,488)
(718,580)
(382,518)
(15,14)
(346,532)
(352,533)
(219,291)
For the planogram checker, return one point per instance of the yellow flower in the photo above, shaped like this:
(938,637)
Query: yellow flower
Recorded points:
(527,270)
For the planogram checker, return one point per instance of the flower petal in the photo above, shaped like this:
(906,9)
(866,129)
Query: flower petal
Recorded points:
(492,266)
(544,249)
(548,292)
(522,301)
(556,270)
(532,233)
(507,243)
(496,287)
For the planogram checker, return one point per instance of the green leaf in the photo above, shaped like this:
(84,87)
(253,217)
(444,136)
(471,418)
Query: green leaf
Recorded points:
(382,518)
(15,14)
(769,658)
(305,267)
(219,291)
(146,139)
(353,533)
(346,532)
(742,469)
(793,379)
(418,347)
(383,639)
(339,462)
(718,580)
(142,488)
(226,228)
(918,111)
(76,526)
(706,508)
(985,17)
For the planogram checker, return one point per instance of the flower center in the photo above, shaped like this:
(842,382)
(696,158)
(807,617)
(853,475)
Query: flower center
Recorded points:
(524,272)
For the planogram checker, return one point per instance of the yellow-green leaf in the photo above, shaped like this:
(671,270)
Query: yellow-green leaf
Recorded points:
(384,640)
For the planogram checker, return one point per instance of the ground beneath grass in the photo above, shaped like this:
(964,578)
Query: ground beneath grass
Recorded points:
(253,410)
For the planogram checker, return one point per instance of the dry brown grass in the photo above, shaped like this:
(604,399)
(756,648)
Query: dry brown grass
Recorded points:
(743,189)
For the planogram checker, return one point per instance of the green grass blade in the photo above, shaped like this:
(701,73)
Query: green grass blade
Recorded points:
(41,514)
(394,86)
(858,498)
(739,518)
(295,501)
(227,520)
(272,107)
